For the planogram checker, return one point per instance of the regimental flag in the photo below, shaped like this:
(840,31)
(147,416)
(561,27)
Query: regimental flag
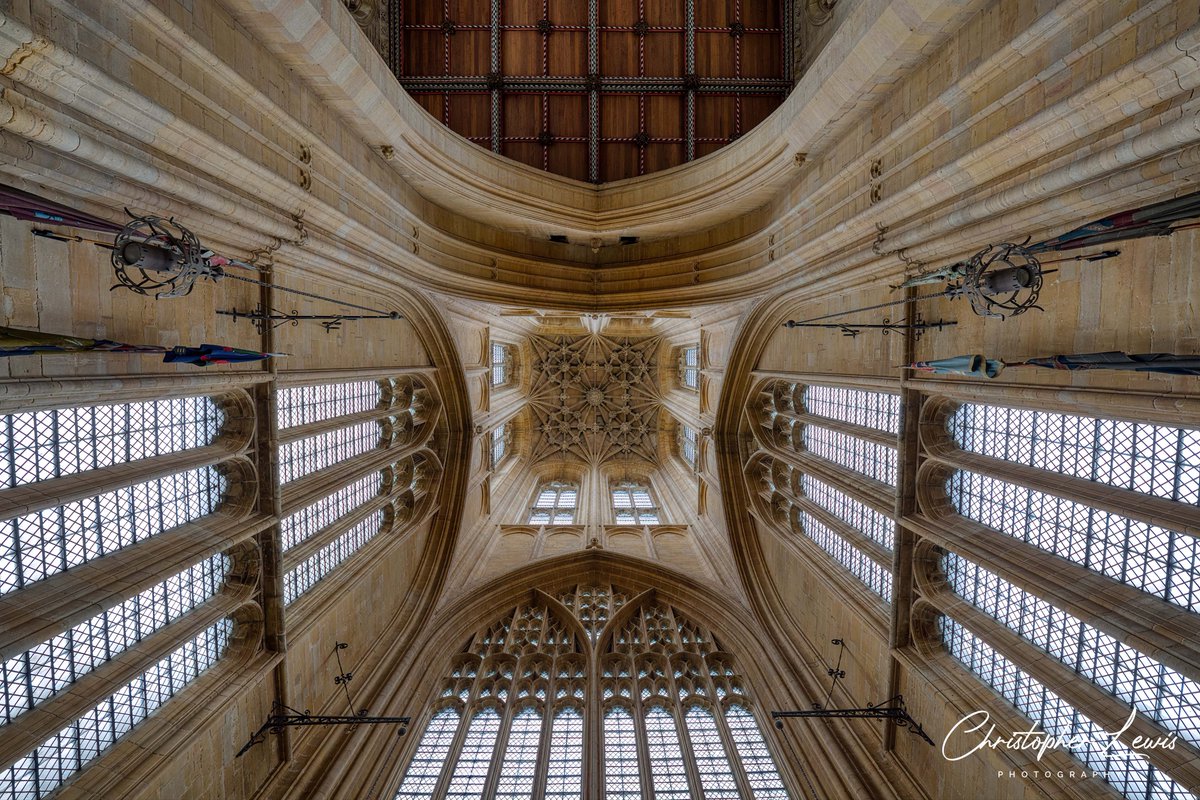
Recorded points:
(977,366)
(18,342)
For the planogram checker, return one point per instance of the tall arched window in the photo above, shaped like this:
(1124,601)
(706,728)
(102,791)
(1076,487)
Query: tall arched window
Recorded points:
(810,432)
(513,708)
(166,477)
(555,504)
(1053,482)
(501,436)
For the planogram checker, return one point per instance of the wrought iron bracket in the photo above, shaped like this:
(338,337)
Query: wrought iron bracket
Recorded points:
(282,717)
(264,320)
(892,709)
(917,327)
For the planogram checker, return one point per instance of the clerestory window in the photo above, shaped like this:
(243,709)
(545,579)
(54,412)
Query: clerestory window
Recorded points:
(555,504)
(689,367)
(633,505)
(503,372)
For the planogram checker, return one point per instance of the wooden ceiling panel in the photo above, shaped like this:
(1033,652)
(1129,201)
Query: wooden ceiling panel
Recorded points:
(568,53)
(467,12)
(666,13)
(638,87)
(664,55)
(568,12)
(522,115)
(521,12)
(469,53)
(665,116)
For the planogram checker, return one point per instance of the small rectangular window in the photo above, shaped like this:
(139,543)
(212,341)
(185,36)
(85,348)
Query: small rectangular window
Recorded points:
(632,505)
(689,367)
(499,444)
(555,504)
(502,364)
(687,445)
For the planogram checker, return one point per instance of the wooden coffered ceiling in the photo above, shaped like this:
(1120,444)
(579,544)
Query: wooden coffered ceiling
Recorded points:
(598,90)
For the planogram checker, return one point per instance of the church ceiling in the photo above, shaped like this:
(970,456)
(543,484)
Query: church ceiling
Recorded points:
(594,398)
(595,91)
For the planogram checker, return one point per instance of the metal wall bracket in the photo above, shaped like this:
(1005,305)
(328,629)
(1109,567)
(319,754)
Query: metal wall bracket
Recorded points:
(892,709)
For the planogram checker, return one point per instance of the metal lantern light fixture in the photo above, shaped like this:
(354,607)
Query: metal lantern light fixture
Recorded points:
(157,256)
(1001,280)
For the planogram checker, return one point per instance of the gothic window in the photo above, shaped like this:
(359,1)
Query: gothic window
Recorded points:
(753,753)
(875,460)
(859,515)
(114,463)
(42,543)
(633,505)
(1153,459)
(622,780)
(1137,679)
(502,364)
(49,668)
(521,756)
(564,772)
(877,410)
(306,574)
(44,769)
(304,456)
(877,576)
(687,445)
(1122,767)
(303,405)
(669,697)
(554,504)
(500,440)
(716,776)
(689,367)
(308,521)
(427,764)
(39,445)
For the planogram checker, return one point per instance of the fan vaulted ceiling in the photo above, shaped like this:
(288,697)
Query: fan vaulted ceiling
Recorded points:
(594,398)
(597,91)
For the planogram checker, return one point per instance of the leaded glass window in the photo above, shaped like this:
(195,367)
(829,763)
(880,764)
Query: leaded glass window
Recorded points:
(305,575)
(305,456)
(622,779)
(520,756)
(303,405)
(40,445)
(564,771)
(555,504)
(502,364)
(308,521)
(475,756)
(854,513)
(1153,688)
(1126,770)
(877,461)
(667,773)
(526,674)
(499,444)
(876,410)
(43,770)
(875,575)
(687,445)
(432,753)
(716,777)
(1156,560)
(689,367)
(47,669)
(633,505)
(43,543)
(1159,460)
(752,751)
